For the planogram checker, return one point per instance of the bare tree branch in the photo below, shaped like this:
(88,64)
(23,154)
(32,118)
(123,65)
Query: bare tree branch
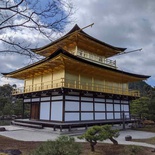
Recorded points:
(40,17)
(14,6)
(17,49)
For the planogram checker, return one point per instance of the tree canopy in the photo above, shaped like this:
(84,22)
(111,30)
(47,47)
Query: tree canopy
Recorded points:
(140,107)
(144,107)
(63,145)
(7,106)
(99,133)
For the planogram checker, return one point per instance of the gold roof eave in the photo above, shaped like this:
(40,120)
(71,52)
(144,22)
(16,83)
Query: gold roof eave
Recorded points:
(43,68)
(62,61)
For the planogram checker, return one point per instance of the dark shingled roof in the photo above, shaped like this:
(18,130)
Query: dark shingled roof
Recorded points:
(59,51)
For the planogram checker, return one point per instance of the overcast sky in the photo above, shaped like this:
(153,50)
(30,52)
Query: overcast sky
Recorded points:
(125,23)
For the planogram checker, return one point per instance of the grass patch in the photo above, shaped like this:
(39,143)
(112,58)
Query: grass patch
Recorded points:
(133,150)
(147,128)
(110,149)
(5,122)
(148,140)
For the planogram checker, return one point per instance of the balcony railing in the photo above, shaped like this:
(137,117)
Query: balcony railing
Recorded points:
(74,84)
(96,59)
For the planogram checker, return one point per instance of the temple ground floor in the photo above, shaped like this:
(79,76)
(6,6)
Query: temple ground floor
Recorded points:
(69,108)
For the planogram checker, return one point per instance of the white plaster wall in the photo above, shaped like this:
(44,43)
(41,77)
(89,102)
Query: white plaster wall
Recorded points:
(86,116)
(71,97)
(27,100)
(110,116)
(99,100)
(72,117)
(57,98)
(45,98)
(117,115)
(86,106)
(109,100)
(44,110)
(123,101)
(71,106)
(109,107)
(99,107)
(99,116)
(116,101)
(35,99)
(56,111)
(86,99)
(124,107)
(117,107)
(127,115)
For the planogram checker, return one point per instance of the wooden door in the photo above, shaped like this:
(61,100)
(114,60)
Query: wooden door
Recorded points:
(35,111)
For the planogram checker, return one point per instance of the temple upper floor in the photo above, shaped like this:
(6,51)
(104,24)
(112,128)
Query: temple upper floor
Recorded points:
(95,58)
(83,54)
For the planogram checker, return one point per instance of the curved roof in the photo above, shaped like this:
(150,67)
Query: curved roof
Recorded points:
(76,58)
(77,29)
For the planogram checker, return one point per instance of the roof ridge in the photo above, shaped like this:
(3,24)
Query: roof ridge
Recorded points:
(75,28)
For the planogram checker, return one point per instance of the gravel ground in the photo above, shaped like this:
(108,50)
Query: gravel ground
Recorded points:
(37,135)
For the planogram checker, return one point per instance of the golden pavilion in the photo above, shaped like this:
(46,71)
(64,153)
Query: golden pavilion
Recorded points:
(76,84)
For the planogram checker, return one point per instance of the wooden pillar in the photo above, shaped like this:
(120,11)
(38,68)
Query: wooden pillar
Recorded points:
(123,114)
(80,106)
(86,127)
(93,107)
(63,104)
(31,107)
(54,128)
(70,128)
(23,110)
(105,108)
(60,128)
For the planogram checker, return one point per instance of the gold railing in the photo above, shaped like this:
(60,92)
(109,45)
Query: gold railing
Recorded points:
(97,59)
(74,84)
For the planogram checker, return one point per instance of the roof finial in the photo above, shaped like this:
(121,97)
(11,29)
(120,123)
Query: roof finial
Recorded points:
(87,26)
(128,52)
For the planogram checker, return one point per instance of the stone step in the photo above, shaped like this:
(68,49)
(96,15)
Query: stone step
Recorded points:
(27,125)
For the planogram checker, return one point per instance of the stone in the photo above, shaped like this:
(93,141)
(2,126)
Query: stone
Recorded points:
(2,129)
(128,138)
(11,152)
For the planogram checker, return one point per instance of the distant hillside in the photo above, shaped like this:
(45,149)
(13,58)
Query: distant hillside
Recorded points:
(142,86)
